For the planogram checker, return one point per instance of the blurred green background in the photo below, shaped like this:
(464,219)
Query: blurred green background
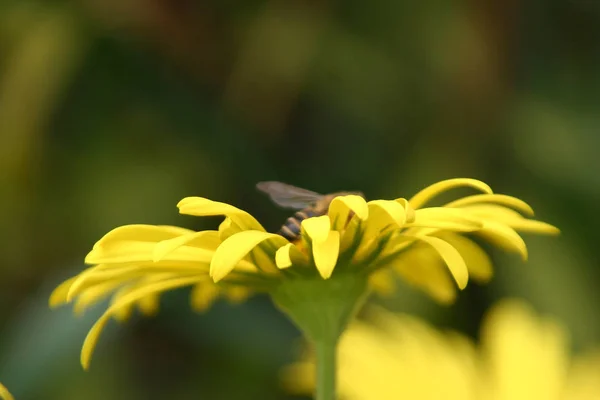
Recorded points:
(113,110)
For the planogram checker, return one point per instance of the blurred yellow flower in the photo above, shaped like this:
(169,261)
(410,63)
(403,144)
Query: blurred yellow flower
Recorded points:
(5,394)
(521,357)
(356,242)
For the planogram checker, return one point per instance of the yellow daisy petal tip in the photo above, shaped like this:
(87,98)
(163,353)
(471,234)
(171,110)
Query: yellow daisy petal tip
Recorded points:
(283,258)
(353,202)
(451,256)
(59,295)
(326,253)
(433,190)
(191,199)
(90,342)
(317,228)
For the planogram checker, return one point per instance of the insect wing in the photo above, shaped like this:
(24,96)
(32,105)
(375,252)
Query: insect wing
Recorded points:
(288,196)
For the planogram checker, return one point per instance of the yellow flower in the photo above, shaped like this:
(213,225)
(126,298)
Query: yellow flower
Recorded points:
(521,357)
(4,393)
(338,253)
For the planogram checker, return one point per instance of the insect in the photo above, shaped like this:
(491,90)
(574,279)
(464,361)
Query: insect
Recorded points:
(309,204)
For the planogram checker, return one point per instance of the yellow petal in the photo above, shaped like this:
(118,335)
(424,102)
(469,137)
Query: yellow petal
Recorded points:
(534,226)
(446,218)
(288,255)
(341,206)
(394,210)
(282,257)
(451,257)
(501,199)
(505,237)
(418,200)
(203,296)
(105,273)
(123,314)
(156,287)
(317,228)
(139,252)
(523,351)
(142,233)
(205,239)
(149,305)
(352,234)
(94,295)
(236,294)
(236,247)
(5,394)
(59,295)
(477,260)
(511,218)
(201,207)
(408,209)
(421,266)
(228,228)
(325,253)
(383,213)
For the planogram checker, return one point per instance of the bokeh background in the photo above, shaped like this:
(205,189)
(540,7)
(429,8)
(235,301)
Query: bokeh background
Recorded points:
(113,110)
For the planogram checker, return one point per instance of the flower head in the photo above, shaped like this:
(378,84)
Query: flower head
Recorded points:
(521,357)
(354,242)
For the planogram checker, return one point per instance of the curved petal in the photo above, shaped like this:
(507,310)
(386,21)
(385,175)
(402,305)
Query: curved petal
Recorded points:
(430,192)
(325,253)
(408,209)
(236,247)
(288,255)
(236,294)
(383,213)
(394,210)
(132,251)
(204,239)
(149,305)
(59,295)
(228,228)
(341,207)
(317,228)
(504,236)
(461,219)
(94,295)
(156,287)
(501,199)
(534,226)
(478,261)
(201,207)
(512,218)
(452,258)
(106,272)
(422,267)
(352,234)
(203,295)
(141,233)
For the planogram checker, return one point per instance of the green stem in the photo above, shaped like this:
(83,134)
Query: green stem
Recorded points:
(326,369)
(322,309)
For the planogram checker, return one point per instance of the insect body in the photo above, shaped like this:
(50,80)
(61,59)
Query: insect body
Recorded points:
(310,204)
